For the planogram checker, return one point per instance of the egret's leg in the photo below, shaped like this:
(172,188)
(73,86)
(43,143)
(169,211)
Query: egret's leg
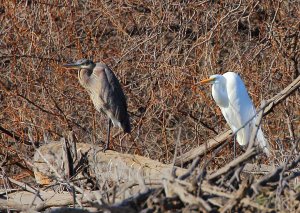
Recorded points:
(108,136)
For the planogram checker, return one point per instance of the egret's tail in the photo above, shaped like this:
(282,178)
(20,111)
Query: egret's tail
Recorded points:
(263,143)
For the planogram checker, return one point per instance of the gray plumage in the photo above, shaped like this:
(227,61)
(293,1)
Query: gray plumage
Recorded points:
(105,91)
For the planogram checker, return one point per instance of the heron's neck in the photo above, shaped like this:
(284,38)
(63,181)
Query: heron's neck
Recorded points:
(84,76)
(219,93)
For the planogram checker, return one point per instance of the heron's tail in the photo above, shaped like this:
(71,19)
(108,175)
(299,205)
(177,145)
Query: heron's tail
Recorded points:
(263,143)
(126,125)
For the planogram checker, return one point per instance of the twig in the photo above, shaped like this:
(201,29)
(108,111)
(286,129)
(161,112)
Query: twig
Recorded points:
(175,188)
(191,169)
(201,150)
(255,130)
(238,195)
(247,202)
(239,160)
(136,200)
(176,148)
(24,186)
(14,136)
(31,56)
(274,176)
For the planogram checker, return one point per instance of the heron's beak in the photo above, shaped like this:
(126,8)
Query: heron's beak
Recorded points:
(205,81)
(72,66)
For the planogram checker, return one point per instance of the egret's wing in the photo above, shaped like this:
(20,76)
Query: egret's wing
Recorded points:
(240,111)
(229,115)
(240,105)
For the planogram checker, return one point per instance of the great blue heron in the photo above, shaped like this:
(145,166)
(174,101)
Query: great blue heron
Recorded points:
(105,92)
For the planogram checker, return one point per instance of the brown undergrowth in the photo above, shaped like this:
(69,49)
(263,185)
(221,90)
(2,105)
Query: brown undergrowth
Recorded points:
(158,50)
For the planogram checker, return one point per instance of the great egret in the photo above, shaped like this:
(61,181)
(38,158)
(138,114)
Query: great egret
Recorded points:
(230,94)
(105,91)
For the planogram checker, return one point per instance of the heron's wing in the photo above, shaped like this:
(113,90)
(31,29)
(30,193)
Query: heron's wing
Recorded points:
(111,93)
(115,85)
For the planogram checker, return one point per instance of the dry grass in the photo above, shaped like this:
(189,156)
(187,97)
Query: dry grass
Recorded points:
(157,49)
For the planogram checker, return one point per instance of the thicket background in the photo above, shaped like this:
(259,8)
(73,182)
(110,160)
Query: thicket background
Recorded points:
(158,50)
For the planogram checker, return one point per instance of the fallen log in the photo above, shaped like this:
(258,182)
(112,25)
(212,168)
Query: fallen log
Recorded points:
(105,165)
(132,174)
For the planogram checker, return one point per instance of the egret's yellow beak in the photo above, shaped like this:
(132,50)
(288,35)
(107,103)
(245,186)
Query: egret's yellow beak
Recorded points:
(205,81)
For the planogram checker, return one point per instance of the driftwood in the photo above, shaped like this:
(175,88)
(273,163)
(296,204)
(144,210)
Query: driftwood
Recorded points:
(132,174)
(109,165)
(153,181)
(124,170)
(39,200)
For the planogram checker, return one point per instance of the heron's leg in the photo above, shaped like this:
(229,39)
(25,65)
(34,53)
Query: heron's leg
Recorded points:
(234,146)
(108,135)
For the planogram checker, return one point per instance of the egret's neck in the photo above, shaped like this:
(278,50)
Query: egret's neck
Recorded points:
(219,93)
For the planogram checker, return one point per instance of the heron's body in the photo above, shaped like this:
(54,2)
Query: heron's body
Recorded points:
(230,94)
(105,92)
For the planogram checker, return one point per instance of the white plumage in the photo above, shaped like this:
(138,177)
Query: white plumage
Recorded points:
(230,94)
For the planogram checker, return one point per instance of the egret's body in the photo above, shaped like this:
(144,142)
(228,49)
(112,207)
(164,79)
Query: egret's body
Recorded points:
(230,94)
(105,92)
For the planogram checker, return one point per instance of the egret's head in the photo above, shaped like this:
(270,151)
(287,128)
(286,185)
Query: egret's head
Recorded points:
(212,79)
(81,64)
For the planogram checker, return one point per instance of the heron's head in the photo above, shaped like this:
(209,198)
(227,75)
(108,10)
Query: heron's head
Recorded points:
(81,64)
(212,79)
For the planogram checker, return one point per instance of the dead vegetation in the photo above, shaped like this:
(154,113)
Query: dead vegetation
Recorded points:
(158,50)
